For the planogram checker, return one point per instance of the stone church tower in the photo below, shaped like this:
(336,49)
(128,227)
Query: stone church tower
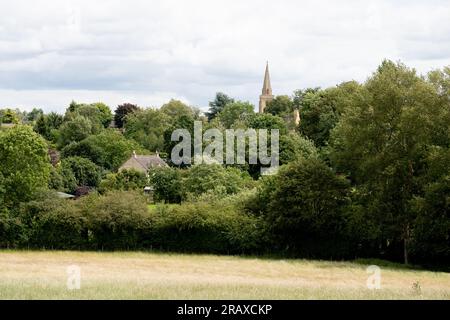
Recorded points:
(266,95)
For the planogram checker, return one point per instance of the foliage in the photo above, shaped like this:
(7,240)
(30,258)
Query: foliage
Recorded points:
(216,106)
(167,184)
(146,127)
(86,172)
(116,219)
(381,140)
(280,106)
(293,146)
(108,149)
(75,130)
(126,180)
(214,177)
(267,121)
(206,227)
(25,165)
(304,205)
(122,111)
(235,113)
(8,116)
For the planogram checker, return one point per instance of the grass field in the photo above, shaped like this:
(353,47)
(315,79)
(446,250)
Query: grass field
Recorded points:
(136,275)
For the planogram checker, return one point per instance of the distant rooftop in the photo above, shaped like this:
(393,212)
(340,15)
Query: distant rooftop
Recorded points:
(143,163)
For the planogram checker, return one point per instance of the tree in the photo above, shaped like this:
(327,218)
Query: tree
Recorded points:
(176,108)
(75,130)
(86,172)
(105,113)
(124,180)
(25,165)
(147,128)
(122,111)
(234,112)
(8,116)
(215,178)
(220,101)
(108,149)
(381,140)
(34,114)
(280,106)
(293,147)
(167,184)
(267,121)
(304,205)
(320,110)
(47,125)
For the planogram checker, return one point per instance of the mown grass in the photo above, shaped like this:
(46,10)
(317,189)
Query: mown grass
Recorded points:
(139,275)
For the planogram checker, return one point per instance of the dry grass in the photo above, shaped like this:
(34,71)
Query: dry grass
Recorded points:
(135,275)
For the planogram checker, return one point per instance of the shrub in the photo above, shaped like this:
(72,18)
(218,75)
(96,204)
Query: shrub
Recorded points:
(54,223)
(117,220)
(108,149)
(86,172)
(11,229)
(304,205)
(124,180)
(205,227)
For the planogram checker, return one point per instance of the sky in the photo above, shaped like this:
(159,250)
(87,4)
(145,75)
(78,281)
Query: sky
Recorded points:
(147,52)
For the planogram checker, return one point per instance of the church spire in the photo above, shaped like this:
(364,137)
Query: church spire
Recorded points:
(267,88)
(266,95)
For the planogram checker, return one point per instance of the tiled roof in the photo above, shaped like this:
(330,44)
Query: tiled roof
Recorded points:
(143,162)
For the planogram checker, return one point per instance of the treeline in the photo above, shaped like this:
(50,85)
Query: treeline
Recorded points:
(366,173)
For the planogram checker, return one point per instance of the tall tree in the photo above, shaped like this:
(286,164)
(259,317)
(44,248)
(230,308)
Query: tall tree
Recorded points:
(220,101)
(25,166)
(381,140)
(122,111)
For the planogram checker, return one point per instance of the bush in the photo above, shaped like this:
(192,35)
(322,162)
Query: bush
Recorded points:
(54,223)
(167,184)
(205,227)
(86,172)
(216,178)
(304,205)
(124,180)
(117,220)
(11,229)
(108,149)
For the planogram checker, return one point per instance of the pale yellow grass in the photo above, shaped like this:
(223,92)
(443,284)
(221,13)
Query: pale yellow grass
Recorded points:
(136,275)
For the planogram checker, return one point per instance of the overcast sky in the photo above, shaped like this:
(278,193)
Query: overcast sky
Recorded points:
(147,52)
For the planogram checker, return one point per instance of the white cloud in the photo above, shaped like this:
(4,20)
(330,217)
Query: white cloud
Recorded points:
(149,51)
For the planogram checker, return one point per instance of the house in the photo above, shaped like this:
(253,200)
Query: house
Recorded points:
(143,163)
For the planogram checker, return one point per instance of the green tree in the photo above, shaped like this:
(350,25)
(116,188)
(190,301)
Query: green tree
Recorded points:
(147,128)
(280,106)
(9,116)
(124,180)
(235,112)
(320,109)
(34,114)
(108,149)
(75,130)
(381,140)
(293,146)
(122,111)
(86,172)
(304,205)
(167,184)
(25,166)
(216,106)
